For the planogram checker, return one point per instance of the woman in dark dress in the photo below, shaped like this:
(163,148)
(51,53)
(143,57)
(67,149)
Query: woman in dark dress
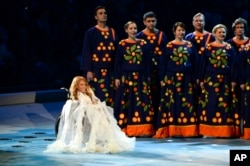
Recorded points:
(218,76)
(177,114)
(133,106)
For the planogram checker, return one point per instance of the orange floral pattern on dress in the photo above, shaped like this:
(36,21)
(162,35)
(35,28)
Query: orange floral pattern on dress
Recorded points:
(180,55)
(218,58)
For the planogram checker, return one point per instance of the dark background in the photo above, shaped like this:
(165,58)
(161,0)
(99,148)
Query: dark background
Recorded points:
(41,40)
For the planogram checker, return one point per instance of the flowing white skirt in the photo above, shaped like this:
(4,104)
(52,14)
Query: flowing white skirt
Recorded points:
(89,128)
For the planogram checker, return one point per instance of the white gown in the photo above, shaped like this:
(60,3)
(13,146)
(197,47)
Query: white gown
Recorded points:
(86,127)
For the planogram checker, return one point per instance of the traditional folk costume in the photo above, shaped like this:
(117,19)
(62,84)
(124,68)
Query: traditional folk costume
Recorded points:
(244,71)
(239,95)
(133,107)
(177,115)
(156,41)
(199,41)
(98,57)
(218,70)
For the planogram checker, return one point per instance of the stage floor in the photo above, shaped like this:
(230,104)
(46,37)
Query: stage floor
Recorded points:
(26,130)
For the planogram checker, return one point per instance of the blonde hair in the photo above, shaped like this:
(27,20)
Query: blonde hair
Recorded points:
(217,27)
(74,87)
(198,15)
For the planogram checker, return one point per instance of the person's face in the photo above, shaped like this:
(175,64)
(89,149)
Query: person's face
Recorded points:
(220,34)
(179,32)
(101,15)
(82,86)
(150,23)
(131,30)
(199,23)
(239,30)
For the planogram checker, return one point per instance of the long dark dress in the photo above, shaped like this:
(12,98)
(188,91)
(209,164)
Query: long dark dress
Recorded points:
(133,107)
(98,57)
(244,71)
(177,115)
(239,96)
(218,70)
(199,40)
(157,42)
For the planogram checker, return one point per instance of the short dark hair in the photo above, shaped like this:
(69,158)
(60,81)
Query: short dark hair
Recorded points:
(149,14)
(178,24)
(99,7)
(240,21)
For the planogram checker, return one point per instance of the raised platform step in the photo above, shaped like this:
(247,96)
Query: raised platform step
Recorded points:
(33,97)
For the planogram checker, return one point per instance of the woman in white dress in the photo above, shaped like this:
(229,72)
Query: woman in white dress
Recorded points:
(88,125)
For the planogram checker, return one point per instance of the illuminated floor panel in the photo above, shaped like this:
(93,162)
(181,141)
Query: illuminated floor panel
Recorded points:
(26,130)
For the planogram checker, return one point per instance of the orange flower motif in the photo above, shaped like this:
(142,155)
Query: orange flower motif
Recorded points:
(179,78)
(148,119)
(169,45)
(102,85)
(122,43)
(209,47)
(178,89)
(134,119)
(135,77)
(104,73)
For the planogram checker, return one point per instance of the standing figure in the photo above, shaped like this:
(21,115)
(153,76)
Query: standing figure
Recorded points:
(156,39)
(218,76)
(178,73)
(239,41)
(244,79)
(133,106)
(98,56)
(88,125)
(199,38)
